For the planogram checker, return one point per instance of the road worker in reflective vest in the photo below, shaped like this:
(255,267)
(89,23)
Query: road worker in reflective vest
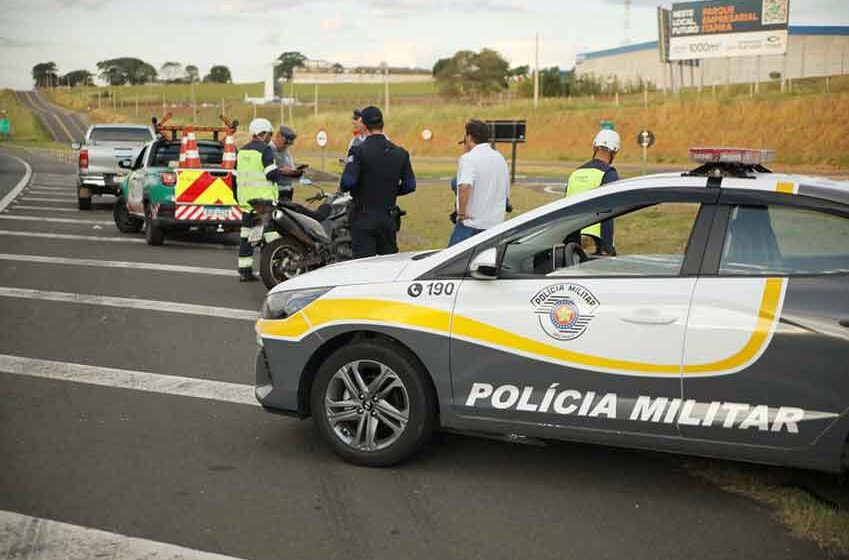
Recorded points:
(257,178)
(596,172)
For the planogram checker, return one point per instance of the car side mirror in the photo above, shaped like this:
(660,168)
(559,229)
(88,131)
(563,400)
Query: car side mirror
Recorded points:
(485,266)
(76,145)
(125,163)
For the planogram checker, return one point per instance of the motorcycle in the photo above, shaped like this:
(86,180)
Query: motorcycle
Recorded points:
(294,239)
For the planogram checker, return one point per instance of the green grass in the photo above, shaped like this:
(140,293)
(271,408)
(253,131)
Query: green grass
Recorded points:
(805,516)
(25,126)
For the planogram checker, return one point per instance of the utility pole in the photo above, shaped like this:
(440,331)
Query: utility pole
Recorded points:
(291,102)
(536,73)
(194,105)
(385,87)
(316,101)
(137,105)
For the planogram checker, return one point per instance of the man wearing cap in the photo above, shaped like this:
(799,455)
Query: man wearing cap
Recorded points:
(358,129)
(257,178)
(483,184)
(280,143)
(376,173)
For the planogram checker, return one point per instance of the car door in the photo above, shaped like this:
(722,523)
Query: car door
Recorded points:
(135,182)
(767,342)
(596,344)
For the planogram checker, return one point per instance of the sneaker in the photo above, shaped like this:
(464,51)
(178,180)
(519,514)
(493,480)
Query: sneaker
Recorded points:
(247,276)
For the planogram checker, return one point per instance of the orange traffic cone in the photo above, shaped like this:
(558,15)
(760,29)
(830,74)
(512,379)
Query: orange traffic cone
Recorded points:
(192,155)
(183,145)
(228,161)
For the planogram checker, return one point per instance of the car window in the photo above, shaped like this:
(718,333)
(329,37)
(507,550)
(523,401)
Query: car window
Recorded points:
(121,135)
(649,241)
(139,163)
(168,154)
(783,240)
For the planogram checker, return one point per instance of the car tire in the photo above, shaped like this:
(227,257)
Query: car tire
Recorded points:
(123,219)
(153,232)
(269,266)
(84,203)
(378,428)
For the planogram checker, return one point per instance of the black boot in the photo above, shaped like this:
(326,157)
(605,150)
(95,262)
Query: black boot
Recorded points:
(247,276)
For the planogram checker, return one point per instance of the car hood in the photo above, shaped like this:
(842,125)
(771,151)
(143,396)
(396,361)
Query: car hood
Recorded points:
(386,268)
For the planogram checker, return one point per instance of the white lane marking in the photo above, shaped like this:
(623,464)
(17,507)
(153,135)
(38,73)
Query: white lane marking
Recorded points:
(33,538)
(41,199)
(118,264)
(44,191)
(74,237)
(132,303)
(57,220)
(16,190)
(556,188)
(53,188)
(51,208)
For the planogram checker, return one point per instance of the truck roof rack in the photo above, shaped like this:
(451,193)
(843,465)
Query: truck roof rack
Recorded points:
(177,130)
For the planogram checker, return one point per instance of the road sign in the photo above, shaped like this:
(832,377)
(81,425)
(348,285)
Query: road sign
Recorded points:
(645,138)
(606,124)
(427,134)
(321,138)
(5,126)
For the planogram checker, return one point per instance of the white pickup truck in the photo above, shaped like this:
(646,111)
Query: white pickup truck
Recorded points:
(105,145)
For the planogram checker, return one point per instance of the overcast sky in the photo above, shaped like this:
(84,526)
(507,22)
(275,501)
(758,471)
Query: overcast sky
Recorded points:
(246,35)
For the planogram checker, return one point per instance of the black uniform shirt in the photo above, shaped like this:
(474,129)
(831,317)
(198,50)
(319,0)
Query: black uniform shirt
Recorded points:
(376,172)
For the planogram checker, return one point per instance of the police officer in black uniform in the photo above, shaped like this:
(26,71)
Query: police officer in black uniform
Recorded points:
(376,172)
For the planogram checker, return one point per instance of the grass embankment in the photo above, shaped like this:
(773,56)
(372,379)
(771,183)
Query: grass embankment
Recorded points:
(804,127)
(26,129)
(784,490)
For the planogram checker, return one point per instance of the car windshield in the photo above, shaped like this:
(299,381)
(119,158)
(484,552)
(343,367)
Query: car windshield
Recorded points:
(168,154)
(121,135)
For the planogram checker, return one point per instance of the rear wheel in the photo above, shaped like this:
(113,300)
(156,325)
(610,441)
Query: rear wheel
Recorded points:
(126,222)
(281,260)
(83,198)
(153,232)
(372,403)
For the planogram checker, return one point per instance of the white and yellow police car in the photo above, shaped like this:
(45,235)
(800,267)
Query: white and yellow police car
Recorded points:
(718,325)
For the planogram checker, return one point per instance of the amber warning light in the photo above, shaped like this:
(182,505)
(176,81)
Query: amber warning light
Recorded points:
(744,156)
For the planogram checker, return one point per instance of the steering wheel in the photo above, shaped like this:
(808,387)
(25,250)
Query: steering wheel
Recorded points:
(573,254)
(601,245)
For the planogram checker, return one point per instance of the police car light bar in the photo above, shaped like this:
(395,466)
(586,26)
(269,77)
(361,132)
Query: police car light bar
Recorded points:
(742,156)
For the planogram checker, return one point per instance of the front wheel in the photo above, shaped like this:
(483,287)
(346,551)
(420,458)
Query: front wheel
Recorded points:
(281,260)
(372,403)
(126,222)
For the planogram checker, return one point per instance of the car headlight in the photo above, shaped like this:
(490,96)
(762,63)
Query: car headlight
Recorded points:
(280,305)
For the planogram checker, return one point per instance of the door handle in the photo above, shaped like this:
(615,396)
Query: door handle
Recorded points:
(649,317)
(844,322)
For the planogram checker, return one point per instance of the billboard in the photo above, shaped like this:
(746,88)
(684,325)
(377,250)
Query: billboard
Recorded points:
(727,28)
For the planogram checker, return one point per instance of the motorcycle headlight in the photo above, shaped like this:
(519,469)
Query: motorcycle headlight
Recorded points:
(280,305)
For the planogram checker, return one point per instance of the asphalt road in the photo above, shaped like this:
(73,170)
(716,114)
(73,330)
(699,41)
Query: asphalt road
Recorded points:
(63,125)
(140,458)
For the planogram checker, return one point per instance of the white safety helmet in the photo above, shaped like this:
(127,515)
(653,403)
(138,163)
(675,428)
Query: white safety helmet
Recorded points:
(607,139)
(258,126)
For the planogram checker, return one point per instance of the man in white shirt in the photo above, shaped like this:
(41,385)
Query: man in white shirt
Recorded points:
(483,184)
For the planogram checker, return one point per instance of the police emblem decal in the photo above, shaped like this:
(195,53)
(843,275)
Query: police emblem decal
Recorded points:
(564,311)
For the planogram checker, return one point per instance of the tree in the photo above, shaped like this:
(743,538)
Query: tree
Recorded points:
(172,72)
(45,74)
(439,65)
(338,68)
(192,73)
(520,72)
(126,70)
(288,62)
(471,75)
(218,75)
(78,78)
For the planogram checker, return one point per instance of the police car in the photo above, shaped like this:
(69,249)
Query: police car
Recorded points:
(718,325)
